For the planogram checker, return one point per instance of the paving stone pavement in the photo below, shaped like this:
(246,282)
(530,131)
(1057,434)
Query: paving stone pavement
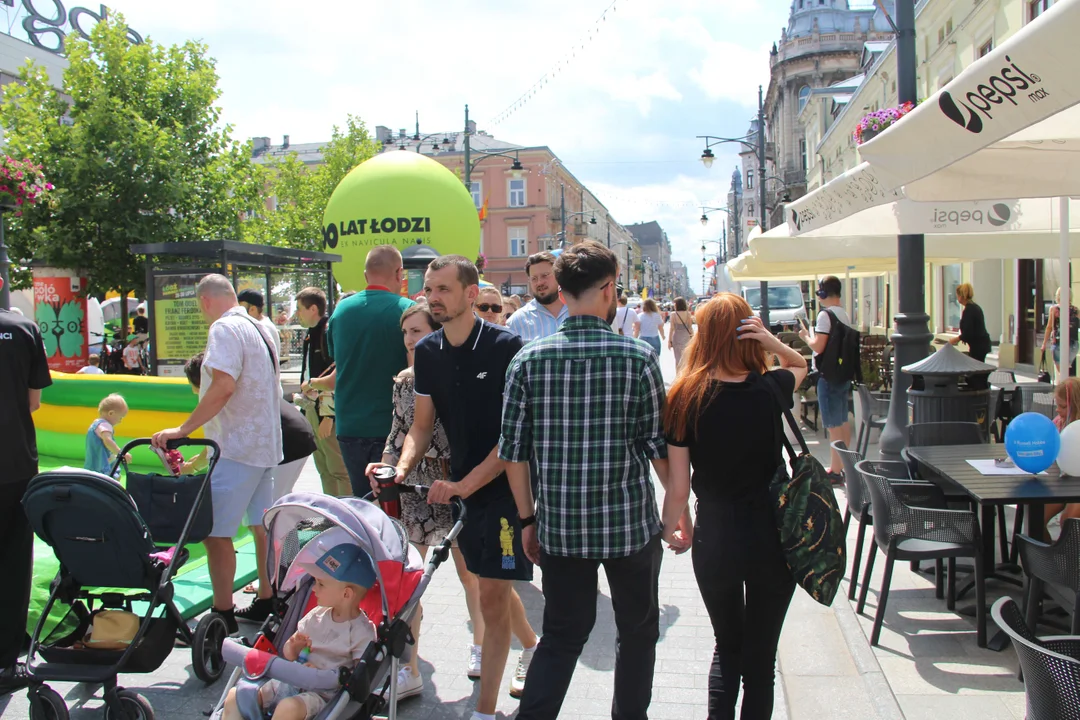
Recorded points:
(927,665)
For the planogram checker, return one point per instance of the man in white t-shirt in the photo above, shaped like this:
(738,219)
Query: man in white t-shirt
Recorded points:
(833,398)
(253,302)
(626,320)
(239,405)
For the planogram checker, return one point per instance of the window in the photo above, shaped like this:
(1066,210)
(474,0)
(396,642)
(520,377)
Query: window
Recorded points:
(517,193)
(950,278)
(519,241)
(940,35)
(986,47)
(477,194)
(948,26)
(749,208)
(750,179)
(1037,8)
(804,96)
(802,152)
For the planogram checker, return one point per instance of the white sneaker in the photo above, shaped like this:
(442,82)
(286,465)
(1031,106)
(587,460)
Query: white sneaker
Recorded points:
(408,684)
(475,656)
(517,684)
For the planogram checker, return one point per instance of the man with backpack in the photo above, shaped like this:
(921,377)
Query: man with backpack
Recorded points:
(836,358)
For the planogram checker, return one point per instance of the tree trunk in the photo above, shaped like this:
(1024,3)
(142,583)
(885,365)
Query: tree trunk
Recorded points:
(123,329)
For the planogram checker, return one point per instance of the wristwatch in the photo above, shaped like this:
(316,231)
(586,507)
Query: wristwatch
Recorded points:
(527,521)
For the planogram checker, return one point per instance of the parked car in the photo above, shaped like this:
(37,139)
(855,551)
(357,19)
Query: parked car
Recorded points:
(786,305)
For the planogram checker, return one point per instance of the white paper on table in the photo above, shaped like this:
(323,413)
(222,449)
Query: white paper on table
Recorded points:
(990,467)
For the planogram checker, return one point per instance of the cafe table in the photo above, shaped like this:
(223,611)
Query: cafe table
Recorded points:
(992,491)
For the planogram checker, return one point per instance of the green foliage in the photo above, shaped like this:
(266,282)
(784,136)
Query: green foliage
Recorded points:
(302,193)
(135,150)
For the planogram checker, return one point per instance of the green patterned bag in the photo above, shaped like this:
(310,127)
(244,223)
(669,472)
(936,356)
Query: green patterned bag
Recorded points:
(807,515)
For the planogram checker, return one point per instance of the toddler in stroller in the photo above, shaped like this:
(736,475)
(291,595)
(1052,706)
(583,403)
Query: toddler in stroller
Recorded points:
(313,537)
(336,633)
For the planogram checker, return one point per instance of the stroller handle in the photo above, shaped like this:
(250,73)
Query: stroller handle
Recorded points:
(174,444)
(422,490)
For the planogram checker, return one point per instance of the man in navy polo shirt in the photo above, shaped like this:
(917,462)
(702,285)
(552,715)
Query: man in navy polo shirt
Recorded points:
(460,372)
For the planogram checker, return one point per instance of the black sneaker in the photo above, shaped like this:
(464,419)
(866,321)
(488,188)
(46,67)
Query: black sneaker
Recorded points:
(229,616)
(257,611)
(837,479)
(13,679)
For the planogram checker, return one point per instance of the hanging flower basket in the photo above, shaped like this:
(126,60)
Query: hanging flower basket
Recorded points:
(874,123)
(22,183)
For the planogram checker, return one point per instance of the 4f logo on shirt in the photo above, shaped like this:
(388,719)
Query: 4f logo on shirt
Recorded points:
(482,375)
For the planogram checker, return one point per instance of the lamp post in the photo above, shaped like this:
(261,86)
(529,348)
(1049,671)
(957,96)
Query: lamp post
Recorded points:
(626,265)
(754,142)
(912,337)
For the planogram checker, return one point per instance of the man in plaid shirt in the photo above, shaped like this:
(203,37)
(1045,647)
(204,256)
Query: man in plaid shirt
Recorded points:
(585,404)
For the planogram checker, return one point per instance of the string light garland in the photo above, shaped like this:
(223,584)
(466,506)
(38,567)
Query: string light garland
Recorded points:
(560,66)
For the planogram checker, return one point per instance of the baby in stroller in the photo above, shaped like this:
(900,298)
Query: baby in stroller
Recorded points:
(335,633)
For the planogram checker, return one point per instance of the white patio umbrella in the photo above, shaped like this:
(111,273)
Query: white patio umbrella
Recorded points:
(1007,126)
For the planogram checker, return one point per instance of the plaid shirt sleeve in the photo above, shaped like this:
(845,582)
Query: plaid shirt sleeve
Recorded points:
(515,443)
(651,419)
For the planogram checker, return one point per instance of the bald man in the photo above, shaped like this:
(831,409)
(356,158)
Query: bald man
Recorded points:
(364,338)
(239,405)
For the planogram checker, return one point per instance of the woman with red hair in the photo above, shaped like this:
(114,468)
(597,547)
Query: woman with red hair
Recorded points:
(723,417)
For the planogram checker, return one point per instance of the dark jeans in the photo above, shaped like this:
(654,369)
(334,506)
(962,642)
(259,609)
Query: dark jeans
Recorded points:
(16,557)
(569,616)
(358,453)
(747,587)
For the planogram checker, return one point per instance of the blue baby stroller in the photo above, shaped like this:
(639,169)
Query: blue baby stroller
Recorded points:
(106,543)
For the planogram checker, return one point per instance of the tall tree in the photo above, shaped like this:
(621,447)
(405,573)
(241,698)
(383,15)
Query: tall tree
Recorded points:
(301,193)
(134,147)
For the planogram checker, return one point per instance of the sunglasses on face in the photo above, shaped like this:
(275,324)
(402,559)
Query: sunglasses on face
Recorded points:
(484,307)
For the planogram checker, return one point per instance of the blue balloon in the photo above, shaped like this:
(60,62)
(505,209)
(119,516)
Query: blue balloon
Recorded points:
(1032,441)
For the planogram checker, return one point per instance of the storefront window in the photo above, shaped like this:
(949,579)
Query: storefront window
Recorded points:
(950,278)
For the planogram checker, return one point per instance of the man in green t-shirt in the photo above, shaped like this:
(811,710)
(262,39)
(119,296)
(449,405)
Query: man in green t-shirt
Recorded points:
(364,338)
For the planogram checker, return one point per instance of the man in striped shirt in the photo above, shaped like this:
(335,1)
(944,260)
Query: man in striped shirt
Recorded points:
(546,312)
(585,405)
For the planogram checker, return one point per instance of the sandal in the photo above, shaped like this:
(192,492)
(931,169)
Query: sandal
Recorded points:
(249,589)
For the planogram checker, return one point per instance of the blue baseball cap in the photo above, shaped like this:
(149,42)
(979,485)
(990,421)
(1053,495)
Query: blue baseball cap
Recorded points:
(346,563)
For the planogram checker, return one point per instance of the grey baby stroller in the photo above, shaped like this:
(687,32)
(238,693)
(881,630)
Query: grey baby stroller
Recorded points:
(111,559)
(356,692)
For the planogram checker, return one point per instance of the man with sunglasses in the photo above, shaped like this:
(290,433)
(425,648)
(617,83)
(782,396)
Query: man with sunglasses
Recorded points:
(545,313)
(489,305)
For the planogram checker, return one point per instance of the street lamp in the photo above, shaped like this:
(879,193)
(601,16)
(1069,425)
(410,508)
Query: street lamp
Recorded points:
(754,142)
(706,210)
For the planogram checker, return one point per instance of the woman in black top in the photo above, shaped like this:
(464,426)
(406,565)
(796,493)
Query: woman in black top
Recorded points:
(972,324)
(722,418)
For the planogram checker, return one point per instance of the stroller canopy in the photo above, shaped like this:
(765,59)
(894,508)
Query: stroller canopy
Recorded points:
(398,566)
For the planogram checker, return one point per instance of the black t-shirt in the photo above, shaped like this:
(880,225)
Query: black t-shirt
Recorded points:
(735,450)
(316,354)
(23,367)
(466,386)
(141,325)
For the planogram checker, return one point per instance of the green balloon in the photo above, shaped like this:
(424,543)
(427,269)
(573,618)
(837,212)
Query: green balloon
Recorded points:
(398,198)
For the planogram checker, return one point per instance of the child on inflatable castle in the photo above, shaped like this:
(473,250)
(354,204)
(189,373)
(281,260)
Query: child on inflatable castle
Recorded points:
(101,447)
(332,635)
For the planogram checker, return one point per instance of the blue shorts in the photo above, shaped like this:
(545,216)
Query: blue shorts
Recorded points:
(240,493)
(833,402)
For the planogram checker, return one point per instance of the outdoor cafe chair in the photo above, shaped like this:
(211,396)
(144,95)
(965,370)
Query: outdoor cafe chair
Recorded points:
(1053,568)
(1050,665)
(873,412)
(917,492)
(908,532)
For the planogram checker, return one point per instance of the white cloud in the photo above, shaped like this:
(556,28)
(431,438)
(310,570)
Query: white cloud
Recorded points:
(732,72)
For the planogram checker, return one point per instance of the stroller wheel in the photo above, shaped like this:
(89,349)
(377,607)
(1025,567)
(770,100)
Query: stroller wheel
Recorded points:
(46,704)
(208,638)
(134,707)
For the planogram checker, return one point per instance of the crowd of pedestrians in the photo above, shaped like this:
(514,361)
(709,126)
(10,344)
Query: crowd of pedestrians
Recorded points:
(549,421)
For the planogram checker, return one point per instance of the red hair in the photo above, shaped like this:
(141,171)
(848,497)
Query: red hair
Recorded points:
(714,348)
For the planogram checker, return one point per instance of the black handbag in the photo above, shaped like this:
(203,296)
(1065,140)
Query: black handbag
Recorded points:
(1044,372)
(165,503)
(807,515)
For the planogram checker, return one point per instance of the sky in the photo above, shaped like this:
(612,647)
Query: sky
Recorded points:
(630,83)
